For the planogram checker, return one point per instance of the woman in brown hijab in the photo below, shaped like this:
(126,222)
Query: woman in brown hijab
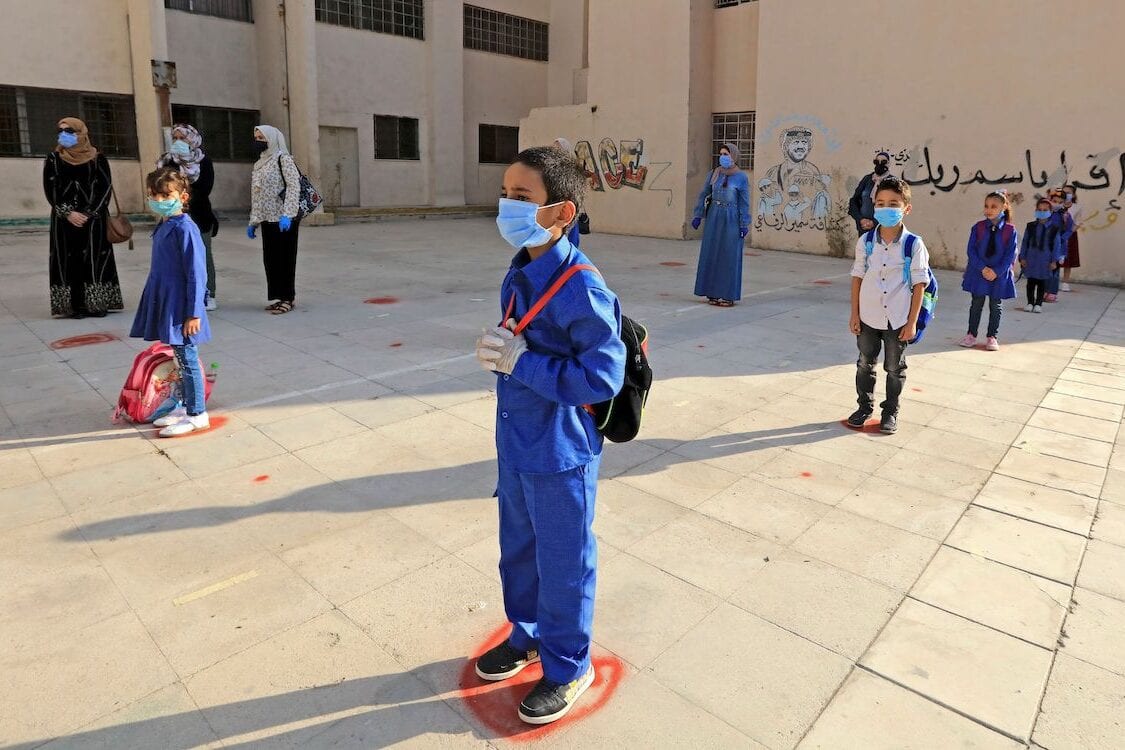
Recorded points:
(77,183)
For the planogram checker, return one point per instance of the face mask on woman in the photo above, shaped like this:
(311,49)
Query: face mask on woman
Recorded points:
(68,140)
(259,147)
(725,161)
(181,148)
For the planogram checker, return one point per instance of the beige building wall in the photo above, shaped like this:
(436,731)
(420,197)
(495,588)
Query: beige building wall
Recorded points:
(983,94)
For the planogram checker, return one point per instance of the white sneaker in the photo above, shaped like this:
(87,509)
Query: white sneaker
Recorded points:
(187,425)
(1038,309)
(1030,308)
(1065,287)
(179,414)
(211,304)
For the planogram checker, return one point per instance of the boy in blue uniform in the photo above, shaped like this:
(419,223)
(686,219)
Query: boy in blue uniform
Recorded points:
(548,448)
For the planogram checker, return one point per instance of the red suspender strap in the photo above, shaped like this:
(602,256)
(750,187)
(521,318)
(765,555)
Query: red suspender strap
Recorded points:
(542,301)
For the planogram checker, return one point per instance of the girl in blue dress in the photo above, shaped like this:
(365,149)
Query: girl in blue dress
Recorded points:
(172,304)
(993,243)
(719,275)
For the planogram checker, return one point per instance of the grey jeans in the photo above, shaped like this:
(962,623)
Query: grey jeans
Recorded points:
(870,342)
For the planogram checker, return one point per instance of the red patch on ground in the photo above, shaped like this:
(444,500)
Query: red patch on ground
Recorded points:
(916,390)
(673,263)
(395,344)
(806,474)
(700,346)
(823,282)
(217,423)
(870,426)
(84,340)
(753,255)
(495,704)
(261,478)
(381,301)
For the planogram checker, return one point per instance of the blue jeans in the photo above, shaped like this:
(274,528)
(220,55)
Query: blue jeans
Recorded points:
(548,565)
(1053,282)
(191,379)
(994,312)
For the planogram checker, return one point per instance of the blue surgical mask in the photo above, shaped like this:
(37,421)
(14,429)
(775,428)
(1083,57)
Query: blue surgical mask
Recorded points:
(725,161)
(1070,196)
(68,140)
(181,148)
(167,207)
(890,216)
(1042,215)
(517,224)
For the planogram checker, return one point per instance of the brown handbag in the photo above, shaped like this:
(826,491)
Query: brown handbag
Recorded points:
(118,228)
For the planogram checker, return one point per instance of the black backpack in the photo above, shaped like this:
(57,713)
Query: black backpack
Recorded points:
(618,419)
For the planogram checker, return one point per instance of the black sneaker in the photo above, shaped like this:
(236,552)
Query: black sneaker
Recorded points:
(889,424)
(859,418)
(504,661)
(550,701)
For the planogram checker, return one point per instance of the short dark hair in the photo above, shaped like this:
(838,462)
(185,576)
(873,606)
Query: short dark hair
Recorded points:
(895,185)
(166,179)
(563,178)
(1041,201)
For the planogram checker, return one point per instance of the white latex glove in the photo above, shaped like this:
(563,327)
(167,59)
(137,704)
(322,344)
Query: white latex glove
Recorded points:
(499,349)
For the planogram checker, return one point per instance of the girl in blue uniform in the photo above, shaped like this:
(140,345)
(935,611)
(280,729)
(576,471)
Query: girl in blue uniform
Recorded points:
(719,275)
(993,242)
(1039,255)
(172,304)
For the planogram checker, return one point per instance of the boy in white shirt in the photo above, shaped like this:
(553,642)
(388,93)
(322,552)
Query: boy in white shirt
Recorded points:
(885,307)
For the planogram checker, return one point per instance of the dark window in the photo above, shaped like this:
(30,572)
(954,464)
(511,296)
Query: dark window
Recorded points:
(730,3)
(396,137)
(736,128)
(492,31)
(498,144)
(236,10)
(399,17)
(227,133)
(29,121)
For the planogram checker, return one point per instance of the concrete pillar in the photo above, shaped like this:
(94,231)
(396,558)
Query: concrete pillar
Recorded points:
(270,42)
(567,52)
(304,107)
(700,94)
(148,40)
(444,136)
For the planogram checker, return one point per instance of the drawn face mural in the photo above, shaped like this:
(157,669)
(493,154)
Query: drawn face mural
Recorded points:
(794,194)
(797,143)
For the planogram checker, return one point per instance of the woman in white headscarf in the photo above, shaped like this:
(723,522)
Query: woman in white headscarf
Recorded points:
(187,156)
(274,193)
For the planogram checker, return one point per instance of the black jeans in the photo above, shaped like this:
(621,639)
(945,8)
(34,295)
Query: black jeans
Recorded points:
(994,311)
(1036,289)
(279,255)
(870,341)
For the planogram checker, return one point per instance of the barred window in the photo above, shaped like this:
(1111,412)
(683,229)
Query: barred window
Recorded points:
(227,133)
(235,10)
(396,137)
(29,121)
(498,144)
(736,128)
(399,17)
(492,31)
(730,3)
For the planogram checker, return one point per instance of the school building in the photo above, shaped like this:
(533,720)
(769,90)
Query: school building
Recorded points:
(421,103)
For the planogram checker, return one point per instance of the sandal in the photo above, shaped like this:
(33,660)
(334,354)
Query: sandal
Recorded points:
(725,303)
(712,301)
(271,307)
(282,307)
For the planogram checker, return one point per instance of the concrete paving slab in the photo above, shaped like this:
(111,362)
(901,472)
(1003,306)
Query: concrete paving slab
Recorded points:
(676,480)
(1034,502)
(1081,708)
(1074,424)
(1044,551)
(1082,406)
(1070,447)
(972,669)
(765,511)
(914,510)
(1103,569)
(1093,631)
(934,474)
(29,503)
(1110,523)
(1059,473)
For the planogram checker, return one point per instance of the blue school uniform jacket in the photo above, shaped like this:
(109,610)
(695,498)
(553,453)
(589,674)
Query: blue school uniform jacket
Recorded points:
(1041,247)
(575,356)
(1063,222)
(177,281)
(1001,260)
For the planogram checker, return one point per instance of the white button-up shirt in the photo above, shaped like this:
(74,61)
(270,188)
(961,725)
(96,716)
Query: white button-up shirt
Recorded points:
(884,300)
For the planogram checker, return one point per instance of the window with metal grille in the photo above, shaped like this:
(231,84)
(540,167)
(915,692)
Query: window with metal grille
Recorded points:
(399,17)
(235,10)
(731,3)
(492,31)
(29,121)
(498,144)
(396,137)
(227,133)
(736,128)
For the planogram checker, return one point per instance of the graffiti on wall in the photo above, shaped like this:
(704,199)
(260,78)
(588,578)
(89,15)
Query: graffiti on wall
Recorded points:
(618,164)
(794,193)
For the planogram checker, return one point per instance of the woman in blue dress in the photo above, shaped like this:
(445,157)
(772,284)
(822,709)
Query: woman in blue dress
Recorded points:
(727,217)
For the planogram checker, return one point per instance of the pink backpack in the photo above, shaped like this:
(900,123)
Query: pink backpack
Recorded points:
(149,384)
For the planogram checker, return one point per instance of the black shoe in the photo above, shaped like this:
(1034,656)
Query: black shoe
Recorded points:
(504,661)
(78,315)
(889,424)
(859,418)
(98,314)
(550,701)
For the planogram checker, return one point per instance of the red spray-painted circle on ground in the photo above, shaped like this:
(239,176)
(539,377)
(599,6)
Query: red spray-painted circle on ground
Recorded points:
(495,704)
(217,423)
(673,263)
(916,390)
(806,474)
(753,255)
(823,282)
(871,426)
(381,301)
(395,344)
(84,340)
(261,478)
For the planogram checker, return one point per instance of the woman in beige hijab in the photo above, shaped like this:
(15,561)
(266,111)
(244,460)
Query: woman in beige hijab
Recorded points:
(77,183)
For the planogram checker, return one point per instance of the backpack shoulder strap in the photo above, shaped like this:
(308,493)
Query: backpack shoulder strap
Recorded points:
(540,303)
(908,255)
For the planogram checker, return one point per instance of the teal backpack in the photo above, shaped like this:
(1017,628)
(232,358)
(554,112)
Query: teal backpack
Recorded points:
(929,297)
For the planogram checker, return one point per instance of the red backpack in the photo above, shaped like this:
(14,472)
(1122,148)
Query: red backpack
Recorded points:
(149,384)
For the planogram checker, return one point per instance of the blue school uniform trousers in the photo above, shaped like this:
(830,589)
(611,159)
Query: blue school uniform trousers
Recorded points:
(549,451)
(1064,224)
